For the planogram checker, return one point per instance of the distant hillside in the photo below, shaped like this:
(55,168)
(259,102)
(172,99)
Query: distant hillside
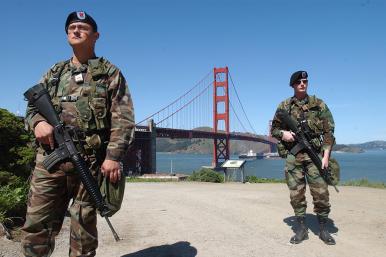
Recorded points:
(373,145)
(359,148)
(347,148)
(205,146)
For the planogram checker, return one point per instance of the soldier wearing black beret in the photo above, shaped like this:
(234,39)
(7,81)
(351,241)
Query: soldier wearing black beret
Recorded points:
(93,98)
(297,76)
(299,169)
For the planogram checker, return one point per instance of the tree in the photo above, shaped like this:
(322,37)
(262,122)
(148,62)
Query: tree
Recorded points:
(16,151)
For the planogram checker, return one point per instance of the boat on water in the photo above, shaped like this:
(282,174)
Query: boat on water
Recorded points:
(255,156)
(251,155)
(271,155)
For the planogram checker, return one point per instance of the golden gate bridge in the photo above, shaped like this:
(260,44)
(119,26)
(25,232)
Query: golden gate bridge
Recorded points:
(207,102)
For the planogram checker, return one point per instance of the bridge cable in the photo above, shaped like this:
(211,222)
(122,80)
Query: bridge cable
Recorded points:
(179,98)
(186,104)
(242,107)
(237,117)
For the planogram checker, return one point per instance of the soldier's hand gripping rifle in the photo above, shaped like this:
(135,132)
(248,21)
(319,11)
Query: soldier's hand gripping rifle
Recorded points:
(66,149)
(303,143)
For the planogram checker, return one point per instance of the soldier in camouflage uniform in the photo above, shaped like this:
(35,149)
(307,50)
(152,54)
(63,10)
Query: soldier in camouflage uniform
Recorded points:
(300,169)
(90,94)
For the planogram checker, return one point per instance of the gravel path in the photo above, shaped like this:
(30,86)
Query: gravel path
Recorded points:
(185,219)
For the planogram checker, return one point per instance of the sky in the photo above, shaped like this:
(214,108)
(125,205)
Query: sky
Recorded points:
(164,47)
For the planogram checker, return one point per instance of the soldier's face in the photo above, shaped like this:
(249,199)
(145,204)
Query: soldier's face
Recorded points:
(81,34)
(300,86)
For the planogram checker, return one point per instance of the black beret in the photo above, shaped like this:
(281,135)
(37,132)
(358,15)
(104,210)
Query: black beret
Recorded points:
(80,17)
(301,74)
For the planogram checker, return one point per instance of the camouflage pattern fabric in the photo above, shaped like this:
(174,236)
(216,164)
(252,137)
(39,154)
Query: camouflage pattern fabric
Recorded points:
(299,169)
(49,196)
(318,116)
(100,106)
(103,102)
(297,172)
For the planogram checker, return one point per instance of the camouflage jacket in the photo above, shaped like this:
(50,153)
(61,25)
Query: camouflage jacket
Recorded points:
(99,102)
(319,120)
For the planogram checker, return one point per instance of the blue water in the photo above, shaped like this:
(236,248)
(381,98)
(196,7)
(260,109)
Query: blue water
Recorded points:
(370,165)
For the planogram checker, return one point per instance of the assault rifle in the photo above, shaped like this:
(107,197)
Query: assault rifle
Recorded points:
(303,139)
(65,148)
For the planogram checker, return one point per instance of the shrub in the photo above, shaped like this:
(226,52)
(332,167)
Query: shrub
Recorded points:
(206,175)
(254,179)
(135,179)
(16,162)
(364,182)
(12,200)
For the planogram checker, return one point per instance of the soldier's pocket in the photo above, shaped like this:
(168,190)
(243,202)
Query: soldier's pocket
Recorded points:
(315,124)
(98,106)
(101,90)
(290,175)
(84,113)
(290,162)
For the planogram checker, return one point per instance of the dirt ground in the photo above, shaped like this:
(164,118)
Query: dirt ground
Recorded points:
(184,219)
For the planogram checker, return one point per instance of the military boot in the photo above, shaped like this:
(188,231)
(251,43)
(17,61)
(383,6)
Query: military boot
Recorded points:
(324,234)
(301,232)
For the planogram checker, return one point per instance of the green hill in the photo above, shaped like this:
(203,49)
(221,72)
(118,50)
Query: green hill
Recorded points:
(360,148)
(205,146)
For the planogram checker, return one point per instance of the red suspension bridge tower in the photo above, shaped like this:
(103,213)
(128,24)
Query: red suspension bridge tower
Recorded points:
(220,113)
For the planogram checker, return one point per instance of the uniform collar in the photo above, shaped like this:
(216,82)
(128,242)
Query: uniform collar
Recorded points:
(83,67)
(298,102)
(77,69)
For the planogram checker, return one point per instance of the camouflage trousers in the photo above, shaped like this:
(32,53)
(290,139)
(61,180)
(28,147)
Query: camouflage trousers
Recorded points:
(48,200)
(298,172)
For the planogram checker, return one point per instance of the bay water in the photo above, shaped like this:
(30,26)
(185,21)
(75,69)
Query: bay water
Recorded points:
(370,165)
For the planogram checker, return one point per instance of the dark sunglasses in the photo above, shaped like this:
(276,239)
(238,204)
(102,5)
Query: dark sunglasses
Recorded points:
(298,82)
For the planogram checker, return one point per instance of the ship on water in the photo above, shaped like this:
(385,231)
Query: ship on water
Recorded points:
(251,155)
(271,155)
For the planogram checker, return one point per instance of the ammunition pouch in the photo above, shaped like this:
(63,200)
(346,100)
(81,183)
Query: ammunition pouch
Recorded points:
(92,142)
(84,113)
(99,110)
(316,143)
(315,125)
